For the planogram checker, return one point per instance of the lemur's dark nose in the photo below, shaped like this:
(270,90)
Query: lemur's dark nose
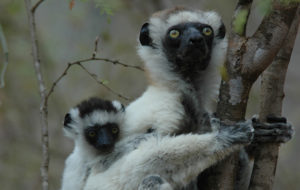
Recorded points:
(195,37)
(196,41)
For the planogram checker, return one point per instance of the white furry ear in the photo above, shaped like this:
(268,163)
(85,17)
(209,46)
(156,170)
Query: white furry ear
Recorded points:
(118,105)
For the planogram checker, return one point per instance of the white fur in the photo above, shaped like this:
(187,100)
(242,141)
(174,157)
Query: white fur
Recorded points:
(75,169)
(158,108)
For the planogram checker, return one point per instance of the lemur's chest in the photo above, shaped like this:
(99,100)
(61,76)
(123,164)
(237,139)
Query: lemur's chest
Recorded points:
(157,109)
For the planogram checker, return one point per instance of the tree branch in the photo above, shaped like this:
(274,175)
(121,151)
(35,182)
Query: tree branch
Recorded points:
(33,9)
(42,91)
(5,55)
(94,76)
(79,63)
(267,40)
(115,62)
(272,95)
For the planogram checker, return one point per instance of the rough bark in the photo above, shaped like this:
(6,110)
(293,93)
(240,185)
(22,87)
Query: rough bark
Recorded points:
(272,95)
(247,58)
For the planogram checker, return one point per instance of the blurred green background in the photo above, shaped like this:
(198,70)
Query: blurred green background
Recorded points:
(67,35)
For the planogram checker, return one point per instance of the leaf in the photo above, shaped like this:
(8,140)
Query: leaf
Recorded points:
(240,20)
(71,4)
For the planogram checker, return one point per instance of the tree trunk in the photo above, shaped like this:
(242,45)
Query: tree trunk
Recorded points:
(247,58)
(272,95)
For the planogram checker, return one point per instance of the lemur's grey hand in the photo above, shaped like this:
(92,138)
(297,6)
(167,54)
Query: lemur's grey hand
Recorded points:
(239,133)
(275,130)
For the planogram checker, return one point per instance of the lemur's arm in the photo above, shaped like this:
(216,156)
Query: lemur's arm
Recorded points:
(275,130)
(178,159)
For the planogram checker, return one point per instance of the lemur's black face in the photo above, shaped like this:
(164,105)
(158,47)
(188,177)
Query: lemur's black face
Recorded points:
(95,121)
(189,45)
(102,137)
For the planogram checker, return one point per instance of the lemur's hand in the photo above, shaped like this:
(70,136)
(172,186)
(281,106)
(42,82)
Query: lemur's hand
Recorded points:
(275,130)
(238,133)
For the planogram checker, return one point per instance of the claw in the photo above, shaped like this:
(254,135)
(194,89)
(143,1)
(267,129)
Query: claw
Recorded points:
(255,119)
(275,119)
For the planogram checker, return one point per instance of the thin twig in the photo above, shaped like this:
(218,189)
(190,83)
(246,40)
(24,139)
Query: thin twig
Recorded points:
(5,54)
(57,81)
(94,76)
(64,73)
(42,91)
(116,62)
(96,47)
(93,58)
(36,6)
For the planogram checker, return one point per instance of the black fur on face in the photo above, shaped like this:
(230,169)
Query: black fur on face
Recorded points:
(88,106)
(145,38)
(221,31)
(67,120)
(190,50)
(102,137)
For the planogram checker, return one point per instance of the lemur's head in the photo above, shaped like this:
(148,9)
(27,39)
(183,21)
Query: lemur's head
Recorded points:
(95,123)
(182,41)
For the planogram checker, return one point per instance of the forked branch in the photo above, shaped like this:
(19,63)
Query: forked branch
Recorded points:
(272,95)
(94,76)
(247,58)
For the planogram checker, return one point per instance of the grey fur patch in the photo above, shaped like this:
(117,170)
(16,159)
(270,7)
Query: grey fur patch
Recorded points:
(240,133)
(123,148)
(190,122)
(152,182)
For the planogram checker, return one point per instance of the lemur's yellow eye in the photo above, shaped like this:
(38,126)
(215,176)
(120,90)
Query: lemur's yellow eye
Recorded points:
(92,133)
(174,33)
(114,130)
(207,31)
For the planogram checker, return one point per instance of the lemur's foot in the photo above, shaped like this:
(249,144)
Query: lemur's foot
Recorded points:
(275,130)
